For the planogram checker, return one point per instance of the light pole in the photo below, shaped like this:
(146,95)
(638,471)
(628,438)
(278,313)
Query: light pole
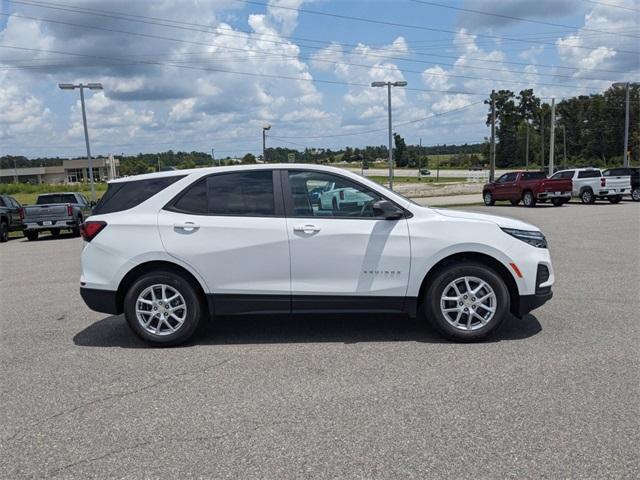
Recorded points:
(264,142)
(81,87)
(389,85)
(627,86)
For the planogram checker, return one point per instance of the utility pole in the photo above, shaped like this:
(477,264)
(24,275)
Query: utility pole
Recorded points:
(564,147)
(389,85)
(552,136)
(81,87)
(492,164)
(264,142)
(542,139)
(627,86)
(158,162)
(526,149)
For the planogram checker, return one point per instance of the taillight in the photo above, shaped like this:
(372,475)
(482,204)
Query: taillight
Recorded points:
(603,181)
(90,229)
(21,212)
(69,210)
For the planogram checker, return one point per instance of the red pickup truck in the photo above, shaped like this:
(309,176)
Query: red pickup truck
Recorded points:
(528,187)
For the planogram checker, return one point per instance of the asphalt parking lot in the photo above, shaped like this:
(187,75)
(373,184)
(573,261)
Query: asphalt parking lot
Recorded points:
(555,395)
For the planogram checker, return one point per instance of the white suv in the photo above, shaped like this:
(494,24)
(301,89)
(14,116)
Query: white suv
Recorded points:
(172,248)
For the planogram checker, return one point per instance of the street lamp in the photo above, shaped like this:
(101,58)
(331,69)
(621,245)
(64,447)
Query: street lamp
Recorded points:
(389,85)
(264,142)
(81,87)
(627,86)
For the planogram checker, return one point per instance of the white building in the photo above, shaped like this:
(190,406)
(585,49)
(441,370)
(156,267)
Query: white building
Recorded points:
(71,171)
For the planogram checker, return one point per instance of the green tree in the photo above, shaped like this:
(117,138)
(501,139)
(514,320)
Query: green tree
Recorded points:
(400,157)
(249,158)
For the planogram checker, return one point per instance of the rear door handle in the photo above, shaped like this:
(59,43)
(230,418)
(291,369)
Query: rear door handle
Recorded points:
(186,227)
(306,229)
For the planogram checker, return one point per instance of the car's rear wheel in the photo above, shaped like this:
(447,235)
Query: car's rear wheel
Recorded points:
(528,199)
(466,302)
(587,197)
(635,194)
(514,202)
(32,235)
(488,199)
(163,308)
(615,198)
(4,232)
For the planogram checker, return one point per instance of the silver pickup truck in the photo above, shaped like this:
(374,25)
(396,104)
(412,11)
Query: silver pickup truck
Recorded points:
(55,212)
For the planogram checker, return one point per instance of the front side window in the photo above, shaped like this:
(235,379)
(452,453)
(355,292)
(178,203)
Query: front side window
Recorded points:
(248,194)
(318,194)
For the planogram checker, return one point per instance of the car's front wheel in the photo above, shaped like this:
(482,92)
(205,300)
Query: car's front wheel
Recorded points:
(466,302)
(635,194)
(4,232)
(31,235)
(163,308)
(488,199)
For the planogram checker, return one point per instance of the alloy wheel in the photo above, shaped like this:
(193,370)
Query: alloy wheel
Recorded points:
(468,303)
(161,309)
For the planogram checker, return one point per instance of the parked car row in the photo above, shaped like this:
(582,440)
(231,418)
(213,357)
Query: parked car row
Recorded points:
(52,212)
(587,184)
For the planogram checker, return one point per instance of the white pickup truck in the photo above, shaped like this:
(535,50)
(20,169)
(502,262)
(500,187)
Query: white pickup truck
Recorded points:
(590,185)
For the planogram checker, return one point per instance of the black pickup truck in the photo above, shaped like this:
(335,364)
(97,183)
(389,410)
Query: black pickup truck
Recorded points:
(634,177)
(10,219)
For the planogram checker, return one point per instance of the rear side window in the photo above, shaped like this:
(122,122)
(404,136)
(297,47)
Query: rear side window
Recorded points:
(589,174)
(533,175)
(125,195)
(247,194)
(56,198)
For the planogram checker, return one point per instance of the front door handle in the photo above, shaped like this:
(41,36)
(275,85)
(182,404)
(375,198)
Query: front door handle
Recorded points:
(308,229)
(186,227)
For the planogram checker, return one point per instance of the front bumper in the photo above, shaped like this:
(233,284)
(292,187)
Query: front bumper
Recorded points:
(529,303)
(104,301)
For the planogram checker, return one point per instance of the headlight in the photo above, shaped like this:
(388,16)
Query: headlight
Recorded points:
(531,237)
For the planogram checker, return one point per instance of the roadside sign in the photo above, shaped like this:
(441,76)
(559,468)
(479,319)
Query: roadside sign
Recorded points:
(291,157)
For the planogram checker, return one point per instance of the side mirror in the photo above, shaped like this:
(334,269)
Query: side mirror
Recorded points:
(387,210)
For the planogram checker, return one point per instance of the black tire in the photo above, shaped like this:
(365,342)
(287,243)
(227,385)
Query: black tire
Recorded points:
(587,197)
(514,202)
(32,235)
(55,233)
(615,198)
(635,194)
(528,199)
(443,278)
(557,202)
(4,232)
(76,230)
(194,305)
(488,199)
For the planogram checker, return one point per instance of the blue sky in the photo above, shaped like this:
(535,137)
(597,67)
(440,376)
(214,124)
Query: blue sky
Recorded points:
(202,74)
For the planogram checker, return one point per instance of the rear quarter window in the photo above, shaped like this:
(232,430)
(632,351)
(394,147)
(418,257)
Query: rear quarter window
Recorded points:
(533,175)
(589,174)
(56,198)
(122,196)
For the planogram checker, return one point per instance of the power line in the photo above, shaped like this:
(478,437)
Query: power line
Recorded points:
(612,5)
(520,19)
(250,74)
(415,27)
(312,59)
(375,130)
(123,16)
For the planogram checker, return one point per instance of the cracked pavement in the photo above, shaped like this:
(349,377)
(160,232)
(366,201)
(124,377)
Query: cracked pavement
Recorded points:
(555,395)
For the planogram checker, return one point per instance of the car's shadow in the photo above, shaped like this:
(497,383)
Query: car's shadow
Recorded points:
(113,331)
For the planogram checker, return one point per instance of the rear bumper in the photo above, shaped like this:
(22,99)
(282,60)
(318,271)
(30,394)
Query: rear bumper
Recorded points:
(546,195)
(104,301)
(40,224)
(529,303)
